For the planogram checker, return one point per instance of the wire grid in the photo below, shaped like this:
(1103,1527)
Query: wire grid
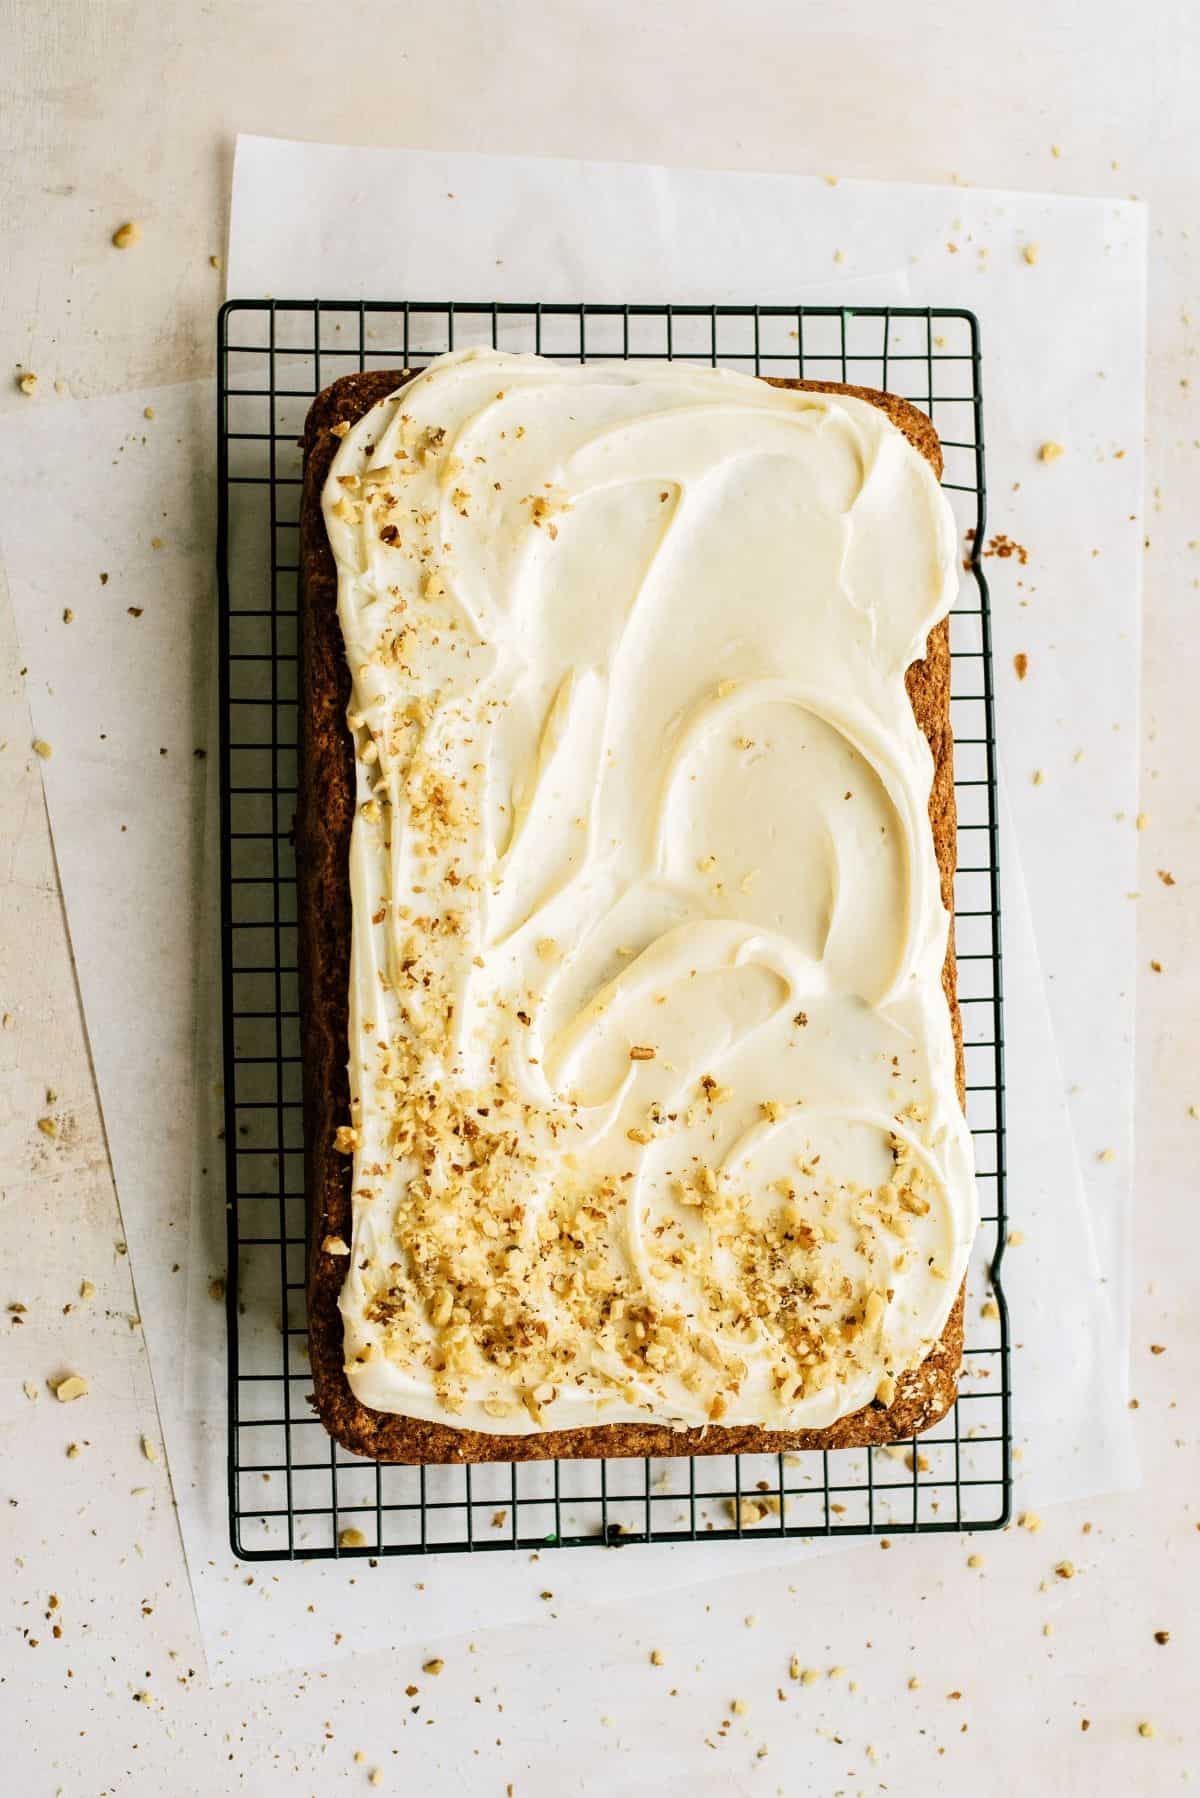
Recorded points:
(292,1491)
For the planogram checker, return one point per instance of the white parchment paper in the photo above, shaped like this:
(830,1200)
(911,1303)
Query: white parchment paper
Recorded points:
(131,677)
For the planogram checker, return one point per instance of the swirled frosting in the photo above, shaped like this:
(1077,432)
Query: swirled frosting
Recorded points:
(654,1113)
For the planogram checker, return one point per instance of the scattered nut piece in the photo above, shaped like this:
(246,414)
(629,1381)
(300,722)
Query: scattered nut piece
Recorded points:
(150,1450)
(127,235)
(335,1245)
(739,1707)
(656,1657)
(32,1392)
(42,748)
(28,384)
(1145,1729)
(71,1386)
(1141,821)
(1021,664)
(351,1538)
(1051,451)
(1106,1155)
(1029,1520)
(345,1139)
(1065,1569)
(974,1560)
(1030,253)
(48,1127)
(1162,1637)
(434,1666)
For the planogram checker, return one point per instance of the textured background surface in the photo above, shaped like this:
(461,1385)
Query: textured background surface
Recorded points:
(117,111)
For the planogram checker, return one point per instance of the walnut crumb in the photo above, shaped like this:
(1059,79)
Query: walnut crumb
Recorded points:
(335,1245)
(1051,451)
(345,1139)
(42,748)
(1030,253)
(434,1666)
(28,384)
(71,1386)
(656,1657)
(351,1538)
(1065,1569)
(641,1052)
(125,236)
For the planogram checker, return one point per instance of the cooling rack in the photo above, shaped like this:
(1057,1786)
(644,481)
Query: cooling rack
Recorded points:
(293,1493)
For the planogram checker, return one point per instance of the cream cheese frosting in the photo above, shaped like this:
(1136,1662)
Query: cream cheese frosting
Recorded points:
(654,1115)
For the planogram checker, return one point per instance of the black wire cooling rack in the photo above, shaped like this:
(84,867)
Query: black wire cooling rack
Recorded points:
(292,1492)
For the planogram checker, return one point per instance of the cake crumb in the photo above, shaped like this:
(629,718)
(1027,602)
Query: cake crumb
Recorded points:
(1029,1520)
(71,1386)
(126,235)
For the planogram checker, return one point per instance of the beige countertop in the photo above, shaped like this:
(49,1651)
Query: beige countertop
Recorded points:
(123,111)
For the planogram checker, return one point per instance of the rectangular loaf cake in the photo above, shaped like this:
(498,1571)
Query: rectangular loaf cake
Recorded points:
(626,839)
